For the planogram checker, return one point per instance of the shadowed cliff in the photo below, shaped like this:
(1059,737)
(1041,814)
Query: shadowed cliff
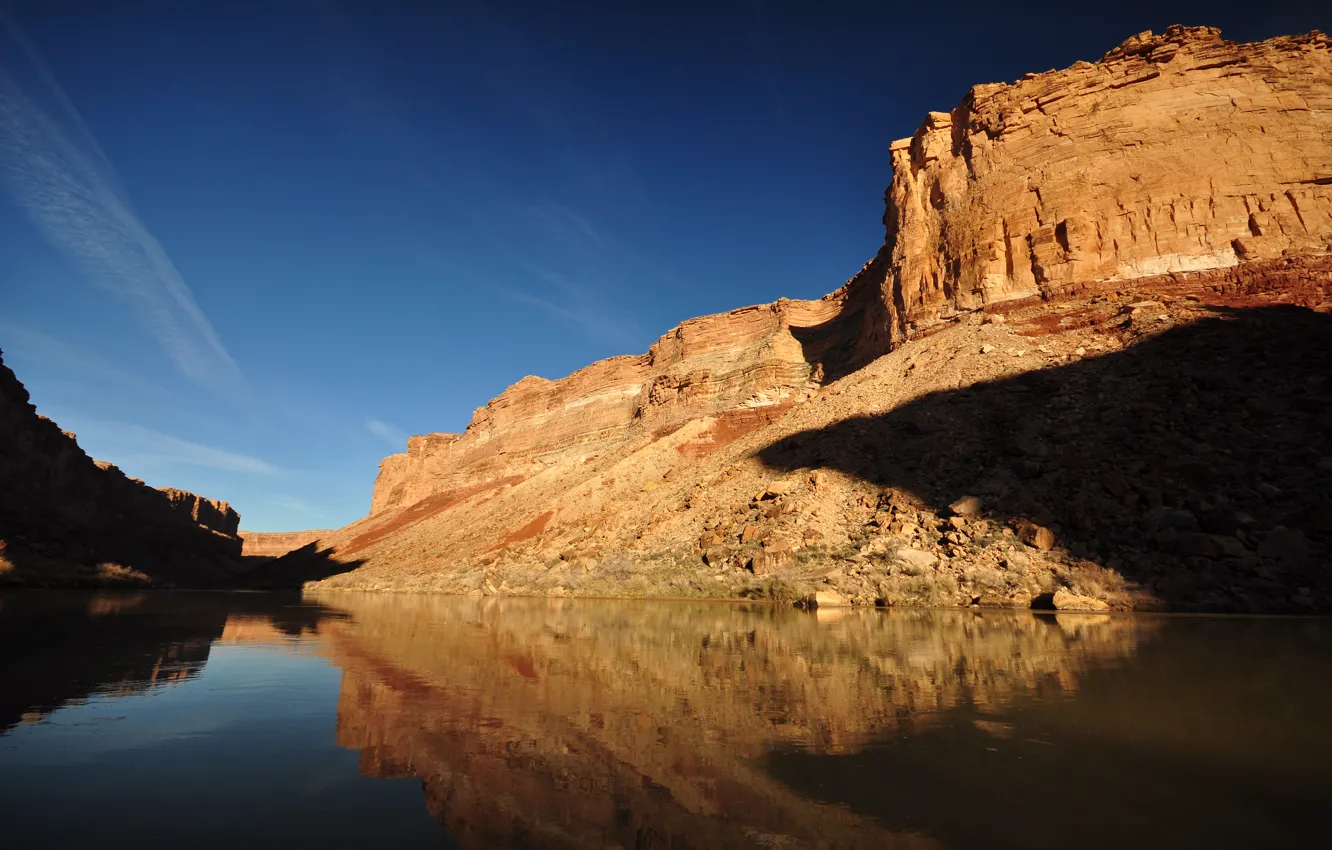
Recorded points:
(69,520)
(1196,463)
(290,571)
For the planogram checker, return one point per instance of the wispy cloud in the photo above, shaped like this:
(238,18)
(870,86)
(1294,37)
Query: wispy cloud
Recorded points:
(134,447)
(569,226)
(159,448)
(57,354)
(596,323)
(395,438)
(295,505)
(65,184)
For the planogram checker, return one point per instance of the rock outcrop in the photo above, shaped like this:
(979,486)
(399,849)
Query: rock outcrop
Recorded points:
(1180,171)
(68,519)
(209,513)
(1175,152)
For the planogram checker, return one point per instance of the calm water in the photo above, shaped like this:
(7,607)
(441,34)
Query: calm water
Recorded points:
(251,720)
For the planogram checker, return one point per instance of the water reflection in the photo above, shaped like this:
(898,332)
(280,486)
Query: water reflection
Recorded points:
(1215,735)
(71,647)
(560,723)
(57,648)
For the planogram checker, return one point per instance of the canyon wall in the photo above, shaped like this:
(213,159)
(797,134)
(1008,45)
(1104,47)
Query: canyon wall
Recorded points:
(751,364)
(1176,152)
(66,518)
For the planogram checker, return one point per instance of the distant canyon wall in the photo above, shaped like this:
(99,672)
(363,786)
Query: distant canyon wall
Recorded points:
(1176,152)
(272,544)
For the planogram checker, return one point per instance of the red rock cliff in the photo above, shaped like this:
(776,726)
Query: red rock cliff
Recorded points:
(752,363)
(271,544)
(1175,152)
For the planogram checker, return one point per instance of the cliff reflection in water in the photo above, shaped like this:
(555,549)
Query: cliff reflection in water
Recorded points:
(267,720)
(555,723)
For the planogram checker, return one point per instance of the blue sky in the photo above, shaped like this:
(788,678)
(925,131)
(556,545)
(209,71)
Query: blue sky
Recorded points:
(249,247)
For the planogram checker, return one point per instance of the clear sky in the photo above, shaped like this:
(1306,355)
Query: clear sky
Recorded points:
(247,247)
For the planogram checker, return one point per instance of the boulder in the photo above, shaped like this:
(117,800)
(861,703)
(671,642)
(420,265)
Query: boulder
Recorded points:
(827,599)
(913,559)
(1065,600)
(966,506)
(767,561)
(1036,536)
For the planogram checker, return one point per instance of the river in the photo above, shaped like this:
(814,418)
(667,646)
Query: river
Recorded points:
(250,720)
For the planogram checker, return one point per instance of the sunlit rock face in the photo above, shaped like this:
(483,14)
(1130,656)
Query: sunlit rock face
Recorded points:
(558,724)
(1174,152)
(66,518)
(208,513)
(749,361)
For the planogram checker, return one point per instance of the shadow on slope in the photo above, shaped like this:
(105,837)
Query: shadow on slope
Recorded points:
(290,571)
(1197,463)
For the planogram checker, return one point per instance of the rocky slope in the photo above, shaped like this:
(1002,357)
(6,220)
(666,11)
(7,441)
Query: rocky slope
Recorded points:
(68,519)
(1101,225)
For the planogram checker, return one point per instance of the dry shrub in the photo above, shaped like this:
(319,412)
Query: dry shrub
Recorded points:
(616,567)
(928,590)
(776,589)
(986,578)
(112,573)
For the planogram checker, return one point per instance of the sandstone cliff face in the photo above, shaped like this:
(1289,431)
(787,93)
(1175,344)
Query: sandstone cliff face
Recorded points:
(1175,152)
(752,363)
(65,518)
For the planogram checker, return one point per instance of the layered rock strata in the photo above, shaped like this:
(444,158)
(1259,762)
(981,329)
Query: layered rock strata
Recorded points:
(272,544)
(66,518)
(751,364)
(1175,152)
